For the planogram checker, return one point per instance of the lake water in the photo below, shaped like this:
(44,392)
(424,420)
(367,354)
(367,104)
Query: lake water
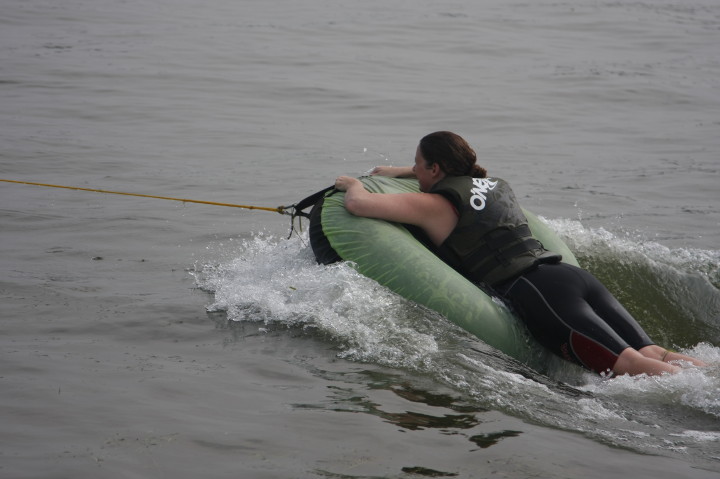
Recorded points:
(150,338)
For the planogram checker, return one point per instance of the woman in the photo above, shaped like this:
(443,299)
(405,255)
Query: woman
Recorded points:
(479,229)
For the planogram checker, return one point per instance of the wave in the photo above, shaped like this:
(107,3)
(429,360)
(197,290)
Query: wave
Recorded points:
(673,293)
(278,283)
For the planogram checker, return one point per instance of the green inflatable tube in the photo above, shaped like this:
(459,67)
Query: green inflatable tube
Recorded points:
(390,254)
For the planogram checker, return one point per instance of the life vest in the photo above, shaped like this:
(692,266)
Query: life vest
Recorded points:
(492,242)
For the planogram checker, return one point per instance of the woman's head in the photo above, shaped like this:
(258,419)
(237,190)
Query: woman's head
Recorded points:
(451,153)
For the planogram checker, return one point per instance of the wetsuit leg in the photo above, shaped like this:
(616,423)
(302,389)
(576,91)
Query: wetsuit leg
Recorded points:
(570,312)
(614,313)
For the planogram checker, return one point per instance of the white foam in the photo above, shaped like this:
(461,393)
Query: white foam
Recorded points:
(278,282)
(593,241)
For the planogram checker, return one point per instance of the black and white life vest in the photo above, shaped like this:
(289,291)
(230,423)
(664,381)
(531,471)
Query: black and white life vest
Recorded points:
(492,242)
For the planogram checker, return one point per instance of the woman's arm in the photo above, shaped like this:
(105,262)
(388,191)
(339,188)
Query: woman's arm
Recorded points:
(392,207)
(394,171)
(433,213)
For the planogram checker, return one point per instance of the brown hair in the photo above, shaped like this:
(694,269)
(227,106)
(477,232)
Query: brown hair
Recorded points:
(452,153)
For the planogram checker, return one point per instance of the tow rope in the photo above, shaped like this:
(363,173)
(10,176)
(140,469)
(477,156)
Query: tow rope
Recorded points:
(283,210)
(295,210)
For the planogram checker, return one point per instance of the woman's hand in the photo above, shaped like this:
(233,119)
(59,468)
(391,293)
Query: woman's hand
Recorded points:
(393,171)
(344,183)
(355,193)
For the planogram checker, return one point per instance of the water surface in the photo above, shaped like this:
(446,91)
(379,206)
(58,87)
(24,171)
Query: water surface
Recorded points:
(152,338)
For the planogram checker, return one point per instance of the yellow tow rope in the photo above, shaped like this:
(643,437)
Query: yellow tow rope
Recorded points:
(279,209)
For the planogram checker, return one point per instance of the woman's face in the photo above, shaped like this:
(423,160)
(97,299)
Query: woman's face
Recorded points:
(425,174)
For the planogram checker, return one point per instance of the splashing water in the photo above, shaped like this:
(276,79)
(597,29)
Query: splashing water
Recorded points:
(278,282)
(281,283)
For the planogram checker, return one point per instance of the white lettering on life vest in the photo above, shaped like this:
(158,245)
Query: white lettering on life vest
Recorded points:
(481,186)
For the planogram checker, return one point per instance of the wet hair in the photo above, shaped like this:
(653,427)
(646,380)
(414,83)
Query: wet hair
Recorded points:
(452,153)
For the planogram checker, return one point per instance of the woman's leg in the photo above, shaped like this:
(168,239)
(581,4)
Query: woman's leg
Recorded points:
(662,354)
(633,362)
(618,318)
(569,311)
(551,300)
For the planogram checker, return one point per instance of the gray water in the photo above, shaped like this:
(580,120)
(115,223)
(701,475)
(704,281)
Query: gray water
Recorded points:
(149,338)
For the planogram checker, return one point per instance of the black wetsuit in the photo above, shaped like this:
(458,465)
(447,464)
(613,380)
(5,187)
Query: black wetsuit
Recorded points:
(569,311)
(565,307)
